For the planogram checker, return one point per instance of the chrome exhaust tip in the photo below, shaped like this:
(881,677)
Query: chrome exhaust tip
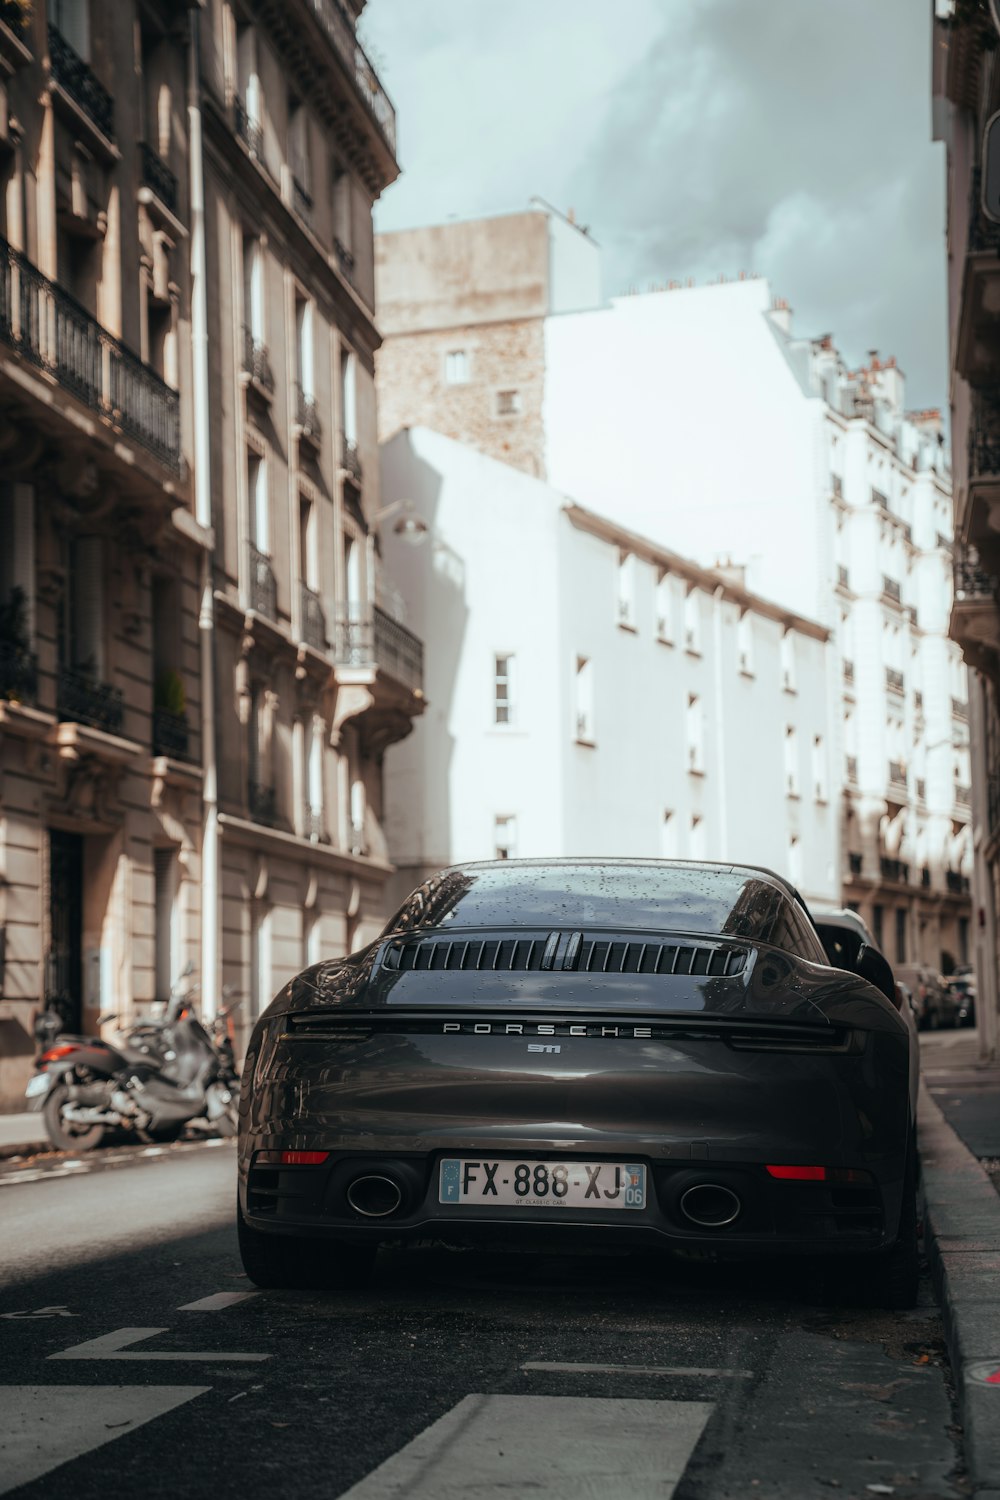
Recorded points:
(710,1205)
(374,1197)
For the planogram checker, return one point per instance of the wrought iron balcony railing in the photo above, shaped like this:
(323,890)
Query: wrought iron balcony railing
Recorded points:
(852,768)
(263,587)
(345,260)
(894,869)
(894,680)
(80,82)
(849,673)
(262,802)
(302,200)
(398,651)
(350,460)
(921,787)
(897,774)
(256,362)
(81,699)
(248,129)
(47,326)
(170,734)
(963,795)
(312,823)
(911,614)
(837,486)
(879,499)
(983,233)
(313,620)
(843,580)
(18,673)
(855,862)
(971,581)
(984,434)
(925,878)
(307,416)
(353,636)
(956,883)
(331,16)
(890,588)
(157,176)
(960,709)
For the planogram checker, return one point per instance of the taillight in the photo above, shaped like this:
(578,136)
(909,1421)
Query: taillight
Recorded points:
(55,1052)
(819,1174)
(290,1158)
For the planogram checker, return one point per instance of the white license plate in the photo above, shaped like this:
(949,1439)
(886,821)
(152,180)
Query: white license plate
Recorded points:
(37,1085)
(542,1184)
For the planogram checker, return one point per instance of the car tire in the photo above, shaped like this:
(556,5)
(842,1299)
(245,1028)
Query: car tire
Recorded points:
(61,1133)
(287,1262)
(897,1278)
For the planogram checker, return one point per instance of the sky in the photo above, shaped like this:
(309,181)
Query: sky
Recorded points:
(695,138)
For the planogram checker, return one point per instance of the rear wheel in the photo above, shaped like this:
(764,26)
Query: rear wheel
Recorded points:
(63,1134)
(278,1260)
(889,1279)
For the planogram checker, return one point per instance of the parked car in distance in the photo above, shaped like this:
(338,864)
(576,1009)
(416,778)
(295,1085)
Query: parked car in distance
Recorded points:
(934,1003)
(961,986)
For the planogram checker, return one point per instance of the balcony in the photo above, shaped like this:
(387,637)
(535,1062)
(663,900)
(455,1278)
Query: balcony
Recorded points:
(312,621)
(350,460)
(977,349)
(80,84)
(852,769)
(157,176)
(891,589)
(879,499)
(256,363)
(310,428)
(345,260)
(975,614)
(368,637)
(918,703)
(81,699)
(854,862)
(42,323)
(333,19)
(894,680)
(955,883)
(984,451)
(897,775)
(848,674)
(262,803)
(18,673)
(312,823)
(263,587)
(170,734)
(843,578)
(960,710)
(837,486)
(248,129)
(910,611)
(302,199)
(894,869)
(963,795)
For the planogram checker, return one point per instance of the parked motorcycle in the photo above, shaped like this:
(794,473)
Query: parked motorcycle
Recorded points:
(159,1076)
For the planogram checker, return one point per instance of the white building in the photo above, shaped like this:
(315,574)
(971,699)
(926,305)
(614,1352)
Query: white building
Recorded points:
(590,692)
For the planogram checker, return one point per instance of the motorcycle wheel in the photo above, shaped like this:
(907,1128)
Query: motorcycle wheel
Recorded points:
(163,1134)
(63,1134)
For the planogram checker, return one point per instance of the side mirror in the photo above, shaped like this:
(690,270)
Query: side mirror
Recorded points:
(872,966)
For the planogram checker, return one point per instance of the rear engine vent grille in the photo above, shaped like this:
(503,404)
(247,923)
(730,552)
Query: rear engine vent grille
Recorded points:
(566,952)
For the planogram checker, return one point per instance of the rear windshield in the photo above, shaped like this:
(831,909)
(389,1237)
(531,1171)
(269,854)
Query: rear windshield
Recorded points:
(720,903)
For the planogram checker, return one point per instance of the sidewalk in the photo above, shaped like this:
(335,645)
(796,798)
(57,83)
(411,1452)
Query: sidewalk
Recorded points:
(22,1135)
(959,1136)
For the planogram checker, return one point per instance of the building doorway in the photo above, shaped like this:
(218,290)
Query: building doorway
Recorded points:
(64,965)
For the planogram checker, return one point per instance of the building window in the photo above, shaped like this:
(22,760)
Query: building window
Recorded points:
(314,782)
(584,700)
(253,287)
(248,78)
(664,610)
(901,934)
(744,643)
(788,678)
(260,520)
(503,689)
(166,932)
(305,364)
(341,191)
(71,18)
(81,631)
(791,761)
(505,836)
(669,836)
(878,924)
(348,397)
(298,144)
(696,838)
(626,590)
(692,623)
(819,768)
(695,735)
(456,367)
(308,551)
(508,403)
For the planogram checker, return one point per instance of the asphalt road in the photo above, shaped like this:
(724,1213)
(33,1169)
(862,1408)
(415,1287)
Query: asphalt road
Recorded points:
(132,1359)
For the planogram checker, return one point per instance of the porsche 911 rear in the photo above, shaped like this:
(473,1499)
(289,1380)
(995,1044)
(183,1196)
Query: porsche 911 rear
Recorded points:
(695,1090)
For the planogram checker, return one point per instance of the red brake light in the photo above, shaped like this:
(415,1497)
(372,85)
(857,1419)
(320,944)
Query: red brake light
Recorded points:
(55,1052)
(303,1158)
(798,1174)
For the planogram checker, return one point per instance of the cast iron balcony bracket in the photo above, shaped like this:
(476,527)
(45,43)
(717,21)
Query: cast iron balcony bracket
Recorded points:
(82,699)
(312,619)
(79,82)
(157,176)
(256,362)
(46,326)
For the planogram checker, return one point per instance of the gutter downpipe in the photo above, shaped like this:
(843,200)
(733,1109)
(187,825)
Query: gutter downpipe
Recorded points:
(203,512)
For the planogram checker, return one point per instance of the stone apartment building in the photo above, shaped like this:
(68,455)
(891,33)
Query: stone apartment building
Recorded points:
(200,662)
(966,94)
(694,416)
(100,694)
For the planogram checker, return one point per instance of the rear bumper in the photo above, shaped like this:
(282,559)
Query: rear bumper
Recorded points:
(774,1218)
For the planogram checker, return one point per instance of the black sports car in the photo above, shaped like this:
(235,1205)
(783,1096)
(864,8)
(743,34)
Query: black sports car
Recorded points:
(585,1052)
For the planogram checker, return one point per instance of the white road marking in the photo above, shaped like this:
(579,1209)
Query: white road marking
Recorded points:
(112,1345)
(540,1364)
(43,1312)
(551,1447)
(217,1300)
(48,1425)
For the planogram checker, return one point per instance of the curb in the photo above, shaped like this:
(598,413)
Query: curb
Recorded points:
(25,1148)
(962,1236)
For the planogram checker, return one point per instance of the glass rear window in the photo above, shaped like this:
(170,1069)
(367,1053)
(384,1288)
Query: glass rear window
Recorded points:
(717,903)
